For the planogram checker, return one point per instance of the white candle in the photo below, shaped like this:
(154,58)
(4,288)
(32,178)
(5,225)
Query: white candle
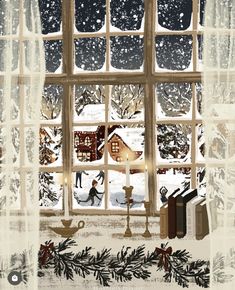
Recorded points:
(127,172)
(146,183)
(66,198)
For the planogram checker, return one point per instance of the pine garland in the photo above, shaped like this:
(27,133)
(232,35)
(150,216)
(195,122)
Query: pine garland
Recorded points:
(126,265)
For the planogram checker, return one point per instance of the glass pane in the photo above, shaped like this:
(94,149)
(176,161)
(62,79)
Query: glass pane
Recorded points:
(123,140)
(117,179)
(90,54)
(90,15)
(14,145)
(50,190)
(15,55)
(15,103)
(200,143)
(89,103)
(53,54)
(200,51)
(127,102)
(217,145)
(86,143)
(202,10)
(88,189)
(127,15)
(201,181)
(50,147)
(174,15)
(4,25)
(51,106)
(50,12)
(174,100)
(174,52)
(173,143)
(127,52)
(199,99)
(217,185)
(12,187)
(170,179)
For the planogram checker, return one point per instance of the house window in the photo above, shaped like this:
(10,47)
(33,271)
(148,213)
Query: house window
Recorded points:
(76,141)
(115,147)
(119,159)
(87,141)
(84,156)
(123,83)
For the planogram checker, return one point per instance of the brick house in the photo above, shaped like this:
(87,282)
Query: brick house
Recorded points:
(85,144)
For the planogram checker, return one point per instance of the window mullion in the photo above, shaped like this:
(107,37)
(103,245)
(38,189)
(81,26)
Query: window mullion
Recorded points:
(149,99)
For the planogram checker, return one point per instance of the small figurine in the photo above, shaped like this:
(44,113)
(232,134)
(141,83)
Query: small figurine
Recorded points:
(163,192)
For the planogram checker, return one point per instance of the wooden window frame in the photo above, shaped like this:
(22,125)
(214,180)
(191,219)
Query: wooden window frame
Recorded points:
(148,78)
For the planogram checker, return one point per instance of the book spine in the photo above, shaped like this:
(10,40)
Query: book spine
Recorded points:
(199,223)
(171,218)
(189,220)
(180,220)
(164,223)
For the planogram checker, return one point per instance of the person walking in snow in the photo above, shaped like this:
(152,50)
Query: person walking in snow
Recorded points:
(93,192)
(100,175)
(79,177)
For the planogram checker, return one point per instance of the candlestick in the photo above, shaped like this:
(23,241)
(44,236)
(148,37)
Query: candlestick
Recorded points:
(66,198)
(146,183)
(128,193)
(147,233)
(127,172)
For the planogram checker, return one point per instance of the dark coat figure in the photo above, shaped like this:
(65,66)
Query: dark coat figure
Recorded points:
(163,192)
(79,177)
(101,176)
(93,192)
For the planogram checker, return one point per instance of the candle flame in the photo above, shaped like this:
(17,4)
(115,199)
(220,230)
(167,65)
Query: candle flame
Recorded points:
(65,180)
(127,156)
(146,167)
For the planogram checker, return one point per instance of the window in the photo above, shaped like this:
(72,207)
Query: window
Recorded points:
(115,147)
(84,156)
(130,71)
(87,141)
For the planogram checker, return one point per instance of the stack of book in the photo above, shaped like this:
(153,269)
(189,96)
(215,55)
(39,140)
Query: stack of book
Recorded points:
(185,213)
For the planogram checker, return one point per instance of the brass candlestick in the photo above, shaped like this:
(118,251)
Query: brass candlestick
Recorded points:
(147,233)
(128,193)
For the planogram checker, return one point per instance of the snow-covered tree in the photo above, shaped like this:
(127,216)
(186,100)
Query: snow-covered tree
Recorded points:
(51,102)
(127,100)
(85,95)
(174,98)
(173,141)
(48,195)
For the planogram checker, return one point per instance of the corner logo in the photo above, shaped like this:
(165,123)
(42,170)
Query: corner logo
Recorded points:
(14,278)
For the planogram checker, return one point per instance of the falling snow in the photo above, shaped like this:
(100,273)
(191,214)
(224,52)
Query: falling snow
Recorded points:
(127,52)
(174,52)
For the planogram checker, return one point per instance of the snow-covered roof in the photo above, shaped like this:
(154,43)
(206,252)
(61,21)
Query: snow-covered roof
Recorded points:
(92,112)
(85,129)
(132,137)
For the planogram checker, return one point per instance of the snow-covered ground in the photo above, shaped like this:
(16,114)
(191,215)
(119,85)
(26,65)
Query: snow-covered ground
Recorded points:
(116,181)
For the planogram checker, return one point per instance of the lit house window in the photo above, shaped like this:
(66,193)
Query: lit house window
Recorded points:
(115,147)
(87,141)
